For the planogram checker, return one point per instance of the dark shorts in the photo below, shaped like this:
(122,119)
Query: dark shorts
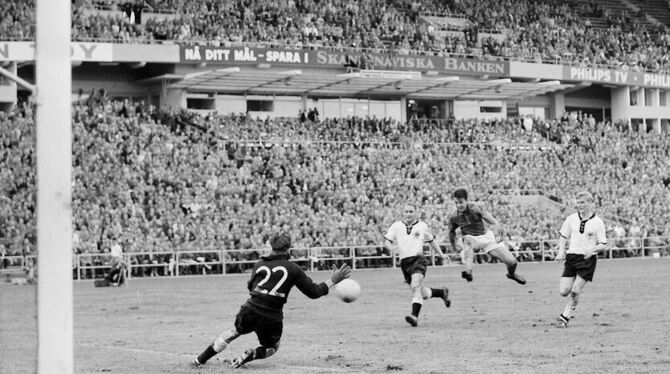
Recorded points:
(576,265)
(268,330)
(411,265)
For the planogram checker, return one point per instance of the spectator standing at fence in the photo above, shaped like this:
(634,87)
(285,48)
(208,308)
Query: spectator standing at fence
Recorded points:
(408,237)
(473,221)
(116,272)
(272,278)
(586,232)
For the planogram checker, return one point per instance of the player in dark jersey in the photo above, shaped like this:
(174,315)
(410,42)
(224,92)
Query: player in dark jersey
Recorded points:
(473,222)
(272,278)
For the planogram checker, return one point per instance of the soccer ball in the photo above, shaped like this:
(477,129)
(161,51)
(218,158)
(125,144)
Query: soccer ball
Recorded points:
(348,290)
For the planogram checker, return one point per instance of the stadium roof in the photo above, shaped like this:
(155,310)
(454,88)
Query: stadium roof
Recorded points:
(364,85)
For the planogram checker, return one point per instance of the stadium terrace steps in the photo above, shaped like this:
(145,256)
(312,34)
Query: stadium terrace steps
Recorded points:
(657,9)
(118,13)
(539,202)
(619,7)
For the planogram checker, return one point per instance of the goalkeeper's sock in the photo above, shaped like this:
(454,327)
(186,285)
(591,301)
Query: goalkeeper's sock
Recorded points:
(416,308)
(437,292)
(206,355)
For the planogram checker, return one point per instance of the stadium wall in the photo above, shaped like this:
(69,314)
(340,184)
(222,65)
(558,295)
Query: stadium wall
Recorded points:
(121,68)
(290,106)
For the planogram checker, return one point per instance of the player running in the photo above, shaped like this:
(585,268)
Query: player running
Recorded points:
(586,232)
(272,278)
(473,221)
(409,237)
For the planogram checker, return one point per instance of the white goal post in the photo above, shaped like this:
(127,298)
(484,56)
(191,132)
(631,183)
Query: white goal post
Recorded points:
(53,78)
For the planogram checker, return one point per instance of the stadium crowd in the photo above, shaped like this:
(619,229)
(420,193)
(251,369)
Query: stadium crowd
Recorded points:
(528,30)
(164,180)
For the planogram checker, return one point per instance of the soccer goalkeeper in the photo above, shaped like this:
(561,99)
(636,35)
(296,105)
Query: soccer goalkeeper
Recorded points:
(272,278)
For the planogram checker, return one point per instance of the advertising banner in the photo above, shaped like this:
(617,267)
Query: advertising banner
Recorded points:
(321,58)
(25,51)
(617,77)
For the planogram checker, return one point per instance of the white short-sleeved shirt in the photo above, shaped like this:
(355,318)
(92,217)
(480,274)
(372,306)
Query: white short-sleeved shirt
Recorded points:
(409,238)
(116,251)
(583,234)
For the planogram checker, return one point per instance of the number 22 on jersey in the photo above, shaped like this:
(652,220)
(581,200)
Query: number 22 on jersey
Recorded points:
(270,286)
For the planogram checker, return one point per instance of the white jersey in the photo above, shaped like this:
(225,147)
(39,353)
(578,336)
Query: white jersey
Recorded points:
(116,251)
(409,238)
(583,234)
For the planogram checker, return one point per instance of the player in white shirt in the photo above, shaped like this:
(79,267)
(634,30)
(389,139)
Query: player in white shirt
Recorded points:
(586,232)
(407,237)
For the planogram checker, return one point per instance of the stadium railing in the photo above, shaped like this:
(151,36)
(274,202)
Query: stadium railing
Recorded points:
(204,262)
(15,264)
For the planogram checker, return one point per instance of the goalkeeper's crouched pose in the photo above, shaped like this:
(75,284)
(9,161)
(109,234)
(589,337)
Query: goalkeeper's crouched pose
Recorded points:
(272,278)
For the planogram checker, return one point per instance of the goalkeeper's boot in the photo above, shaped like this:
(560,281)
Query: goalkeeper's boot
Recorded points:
(195,363)
(517,278)
(467,276)
(247,356)
(562,321)
(447,302)
(412,320)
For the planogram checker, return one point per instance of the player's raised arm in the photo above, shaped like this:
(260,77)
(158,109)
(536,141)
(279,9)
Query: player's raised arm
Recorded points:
(313,290)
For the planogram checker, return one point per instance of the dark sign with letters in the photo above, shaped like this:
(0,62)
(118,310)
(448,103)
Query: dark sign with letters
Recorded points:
(323,58)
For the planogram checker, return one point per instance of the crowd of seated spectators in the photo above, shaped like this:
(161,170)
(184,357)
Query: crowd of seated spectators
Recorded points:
(166,180)
(535,31)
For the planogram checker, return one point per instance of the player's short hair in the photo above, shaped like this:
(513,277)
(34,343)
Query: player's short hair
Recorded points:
(280,242)
(586,195)
(460,193)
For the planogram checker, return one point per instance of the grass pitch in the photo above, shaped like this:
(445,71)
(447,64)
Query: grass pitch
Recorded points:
(156,325)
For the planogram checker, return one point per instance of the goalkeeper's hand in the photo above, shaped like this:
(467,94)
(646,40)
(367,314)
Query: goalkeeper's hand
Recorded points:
(340,274)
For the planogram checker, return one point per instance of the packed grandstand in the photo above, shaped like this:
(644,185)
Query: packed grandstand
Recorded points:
(166,178)
(591,33)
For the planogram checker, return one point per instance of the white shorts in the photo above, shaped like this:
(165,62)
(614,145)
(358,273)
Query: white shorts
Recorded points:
(486,242)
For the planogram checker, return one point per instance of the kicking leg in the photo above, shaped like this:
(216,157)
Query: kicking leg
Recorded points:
(218,345)
(442,293)
(503,254)
(468,258)
(417,298)
(251,354)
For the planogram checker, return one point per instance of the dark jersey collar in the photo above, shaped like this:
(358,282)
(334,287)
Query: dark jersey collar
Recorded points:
(277,256)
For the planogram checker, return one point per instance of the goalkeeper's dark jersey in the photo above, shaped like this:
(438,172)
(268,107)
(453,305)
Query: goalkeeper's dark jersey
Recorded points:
(271,280)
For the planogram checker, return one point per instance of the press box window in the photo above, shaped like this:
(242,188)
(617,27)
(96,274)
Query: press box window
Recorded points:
(490,109)
(199,103)
(260,105)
